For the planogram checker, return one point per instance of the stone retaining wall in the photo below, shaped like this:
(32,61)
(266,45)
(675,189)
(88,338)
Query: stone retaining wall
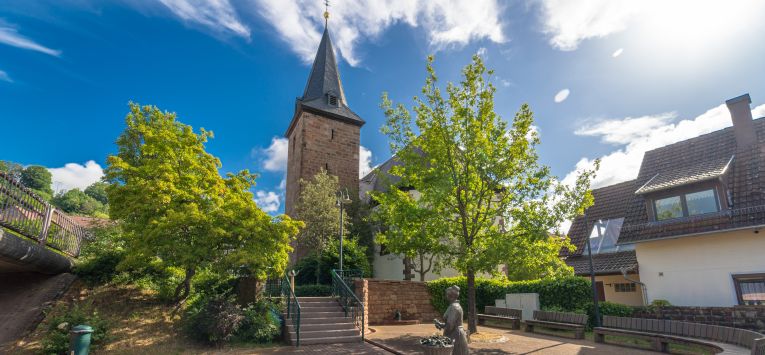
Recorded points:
(746,317)
(383,297)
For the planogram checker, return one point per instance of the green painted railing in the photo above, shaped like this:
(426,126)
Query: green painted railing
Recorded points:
(347,297)
(293,307)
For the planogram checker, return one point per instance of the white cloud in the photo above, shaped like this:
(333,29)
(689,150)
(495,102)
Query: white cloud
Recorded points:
(676,23)
(365,161)
(617,52)
(268,201)
(276,154)
(74,175)
(4,77)
(482,52)
(218,15)
(637,135)
(504,82)
(12,37)
(562,95)
(446,23)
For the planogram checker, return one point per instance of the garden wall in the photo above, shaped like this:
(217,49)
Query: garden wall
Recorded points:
(383,297)
(746,317)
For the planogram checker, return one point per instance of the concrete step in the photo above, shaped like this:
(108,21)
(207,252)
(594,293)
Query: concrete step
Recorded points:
(335,340)
(322,326)
(325,333)
(316,299)
(335,314)
(327,320)
(328,308)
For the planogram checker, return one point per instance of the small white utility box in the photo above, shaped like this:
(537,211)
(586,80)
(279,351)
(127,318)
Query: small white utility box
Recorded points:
(527,302)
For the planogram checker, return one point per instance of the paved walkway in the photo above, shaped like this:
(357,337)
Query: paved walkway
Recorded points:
(405,339)
(22,299)
(323,349)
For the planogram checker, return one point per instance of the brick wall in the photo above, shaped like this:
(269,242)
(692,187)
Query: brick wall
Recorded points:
(746,317)
(383,297)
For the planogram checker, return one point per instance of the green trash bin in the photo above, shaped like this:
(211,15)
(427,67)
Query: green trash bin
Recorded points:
(80,340)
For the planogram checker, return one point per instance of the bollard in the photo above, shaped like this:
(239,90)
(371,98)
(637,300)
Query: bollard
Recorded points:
(80,340)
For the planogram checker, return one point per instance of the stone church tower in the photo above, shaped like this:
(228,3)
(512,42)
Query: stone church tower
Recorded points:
(324,132)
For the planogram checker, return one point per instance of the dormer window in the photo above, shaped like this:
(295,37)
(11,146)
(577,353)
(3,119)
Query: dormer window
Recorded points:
(331,100)
(686,205)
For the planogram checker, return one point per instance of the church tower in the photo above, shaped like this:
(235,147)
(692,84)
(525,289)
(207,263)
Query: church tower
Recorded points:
(324,132)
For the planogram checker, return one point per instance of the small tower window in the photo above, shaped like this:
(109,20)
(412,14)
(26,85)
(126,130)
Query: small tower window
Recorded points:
(332,100)
(333,134)
(326,167)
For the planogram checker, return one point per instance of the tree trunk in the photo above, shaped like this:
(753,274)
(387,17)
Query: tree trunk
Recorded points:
(422,268)
(318,268)
(184,288)
(471,310)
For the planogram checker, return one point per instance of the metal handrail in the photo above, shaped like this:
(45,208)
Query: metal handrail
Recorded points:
(348,299)
(289,294)
(25,213)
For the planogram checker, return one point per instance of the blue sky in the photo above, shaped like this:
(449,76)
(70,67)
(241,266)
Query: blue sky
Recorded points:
(605,78)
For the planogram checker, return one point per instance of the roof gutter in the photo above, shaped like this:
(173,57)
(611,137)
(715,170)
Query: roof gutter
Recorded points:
(693,234)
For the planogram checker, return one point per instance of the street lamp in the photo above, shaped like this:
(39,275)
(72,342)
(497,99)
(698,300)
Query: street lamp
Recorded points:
(342,199)
(598,223)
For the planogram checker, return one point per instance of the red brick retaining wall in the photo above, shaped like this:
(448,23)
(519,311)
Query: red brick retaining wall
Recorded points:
(383,297)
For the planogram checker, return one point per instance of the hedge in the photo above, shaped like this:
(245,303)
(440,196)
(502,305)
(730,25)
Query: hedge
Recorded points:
(567,294)
(313,290)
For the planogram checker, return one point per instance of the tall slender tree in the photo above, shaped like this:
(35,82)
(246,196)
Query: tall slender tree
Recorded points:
(478,176)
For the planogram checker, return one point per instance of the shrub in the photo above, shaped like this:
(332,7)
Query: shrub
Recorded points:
(56,338)
(660,303)
(609,309)
(215,322)
(313,290)
(101,268)
(354,258)
(567,294)
(261,324)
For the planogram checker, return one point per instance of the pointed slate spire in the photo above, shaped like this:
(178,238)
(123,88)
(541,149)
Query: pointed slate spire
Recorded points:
(324,79)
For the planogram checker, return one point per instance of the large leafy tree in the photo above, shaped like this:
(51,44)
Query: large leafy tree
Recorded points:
(317,208)
(11,169)
(39,179)
(97,190)
(480,187)
(78,202)
(177,209)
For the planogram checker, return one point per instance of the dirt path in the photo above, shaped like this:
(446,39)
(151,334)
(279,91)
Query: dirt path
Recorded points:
(23,296)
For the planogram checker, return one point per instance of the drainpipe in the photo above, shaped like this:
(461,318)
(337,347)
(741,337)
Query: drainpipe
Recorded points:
(642,285)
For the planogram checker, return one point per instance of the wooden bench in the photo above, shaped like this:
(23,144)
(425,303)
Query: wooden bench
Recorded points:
(558,320)
(661,333)
(511,315)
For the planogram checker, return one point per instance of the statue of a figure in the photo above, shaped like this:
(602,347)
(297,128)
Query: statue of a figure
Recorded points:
(453,325)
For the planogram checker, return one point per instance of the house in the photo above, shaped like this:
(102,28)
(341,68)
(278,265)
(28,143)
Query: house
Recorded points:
(687,229)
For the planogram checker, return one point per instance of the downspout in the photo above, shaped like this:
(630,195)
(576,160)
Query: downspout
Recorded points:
(642,285)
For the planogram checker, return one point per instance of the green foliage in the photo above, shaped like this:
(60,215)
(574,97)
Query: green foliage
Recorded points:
(97,190)
(177,210)
(564,294)
(470,168)
(75,201)
(11,169)
(56,338)
(37,178)
(354,258)
(660,303)
(101,268)
(609,309)
(537,258)
(362,226)
(215,322)
(261,324)
(310,290)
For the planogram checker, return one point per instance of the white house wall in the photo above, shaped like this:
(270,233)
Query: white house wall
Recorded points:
(697,270)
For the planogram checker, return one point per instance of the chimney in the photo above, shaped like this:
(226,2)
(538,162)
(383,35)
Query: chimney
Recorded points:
(743,124)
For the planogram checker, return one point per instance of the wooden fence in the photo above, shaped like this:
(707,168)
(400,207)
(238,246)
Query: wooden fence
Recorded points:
(25,213)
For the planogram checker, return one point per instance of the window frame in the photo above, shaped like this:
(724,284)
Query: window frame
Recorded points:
(629,286)
(681,193)
(737,278)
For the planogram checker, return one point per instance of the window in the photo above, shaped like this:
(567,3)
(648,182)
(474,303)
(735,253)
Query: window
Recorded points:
(605,235)
(326,167)
(332,137)
(668,208)
(750,289)
(624,287)
(690,204)
(332,100)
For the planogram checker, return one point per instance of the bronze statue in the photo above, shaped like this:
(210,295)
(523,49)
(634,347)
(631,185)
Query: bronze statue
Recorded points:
(452,326)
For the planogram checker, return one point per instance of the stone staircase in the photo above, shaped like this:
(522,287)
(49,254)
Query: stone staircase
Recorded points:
(322,321)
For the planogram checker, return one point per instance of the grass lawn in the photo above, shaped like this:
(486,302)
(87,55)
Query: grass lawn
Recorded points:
(138,323)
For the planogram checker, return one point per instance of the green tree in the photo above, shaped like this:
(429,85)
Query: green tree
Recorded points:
(537,258)
(12,169)
(480,178)
(39,179)
(177,210)
(97,190)
(317,208)
(77,202)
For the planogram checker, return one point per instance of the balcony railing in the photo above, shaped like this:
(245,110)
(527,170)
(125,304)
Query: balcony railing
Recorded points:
(25,213)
